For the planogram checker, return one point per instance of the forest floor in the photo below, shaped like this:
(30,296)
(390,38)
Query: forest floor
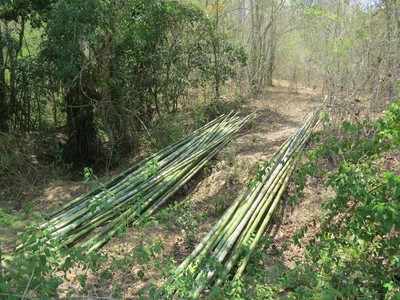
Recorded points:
(179,227)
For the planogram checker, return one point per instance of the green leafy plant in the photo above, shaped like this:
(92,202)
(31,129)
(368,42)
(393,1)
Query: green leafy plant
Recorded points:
(38,270)
(356,253)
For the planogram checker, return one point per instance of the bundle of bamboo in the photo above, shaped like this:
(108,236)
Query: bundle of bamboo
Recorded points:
(226,249)
(141,190)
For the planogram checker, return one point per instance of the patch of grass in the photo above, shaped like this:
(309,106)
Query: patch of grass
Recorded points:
(9,220)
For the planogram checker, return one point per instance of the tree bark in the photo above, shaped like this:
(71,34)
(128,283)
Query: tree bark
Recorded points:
(392,11)
(271,54)
(3,95)
(263,34)
(216,53)
(82,148)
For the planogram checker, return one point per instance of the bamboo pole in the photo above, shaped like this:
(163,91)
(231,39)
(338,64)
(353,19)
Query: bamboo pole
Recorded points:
(246,220)
(134,195)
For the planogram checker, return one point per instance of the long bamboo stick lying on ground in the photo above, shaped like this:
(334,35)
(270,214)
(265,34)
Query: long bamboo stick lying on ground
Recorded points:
(227,248)
(127,199)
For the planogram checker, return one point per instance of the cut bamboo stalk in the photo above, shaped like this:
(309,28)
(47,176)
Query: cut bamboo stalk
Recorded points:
(245,221)
(135,194)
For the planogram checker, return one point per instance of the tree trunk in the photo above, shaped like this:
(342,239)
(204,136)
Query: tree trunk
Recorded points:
(216,52)
(272,47)
(271,57)
(392,11)
(82,148)
(263,34)
(3,94)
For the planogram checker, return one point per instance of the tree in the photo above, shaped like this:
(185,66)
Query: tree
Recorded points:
(263,40)
(14,18)
(124,65)
(392,13)
(3,86)
(69,51)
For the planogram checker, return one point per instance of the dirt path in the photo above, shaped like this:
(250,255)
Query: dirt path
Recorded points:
(178,227)
(279,114)
(181,227)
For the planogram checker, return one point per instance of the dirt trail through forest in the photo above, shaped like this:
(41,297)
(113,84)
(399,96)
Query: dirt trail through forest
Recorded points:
(279,114)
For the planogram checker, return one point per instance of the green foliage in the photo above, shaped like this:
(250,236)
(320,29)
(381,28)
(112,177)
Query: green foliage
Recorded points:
(356,253)
(131,64)
(108,70)
(88,174)
(355,142)
(36,271)
(33,9)
(168,129)
(7,219)
(390,125)
(184,218)
(70,33)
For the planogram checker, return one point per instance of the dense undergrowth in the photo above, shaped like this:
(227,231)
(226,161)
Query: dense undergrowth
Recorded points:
(28,162)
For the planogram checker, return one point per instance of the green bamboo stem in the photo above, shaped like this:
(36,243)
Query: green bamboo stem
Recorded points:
(77,219)
(254,210)
(169,149)
(148,212)
(226,247)
(262,228)
(143,165)
(269,206)
(80,213)
(137,175)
